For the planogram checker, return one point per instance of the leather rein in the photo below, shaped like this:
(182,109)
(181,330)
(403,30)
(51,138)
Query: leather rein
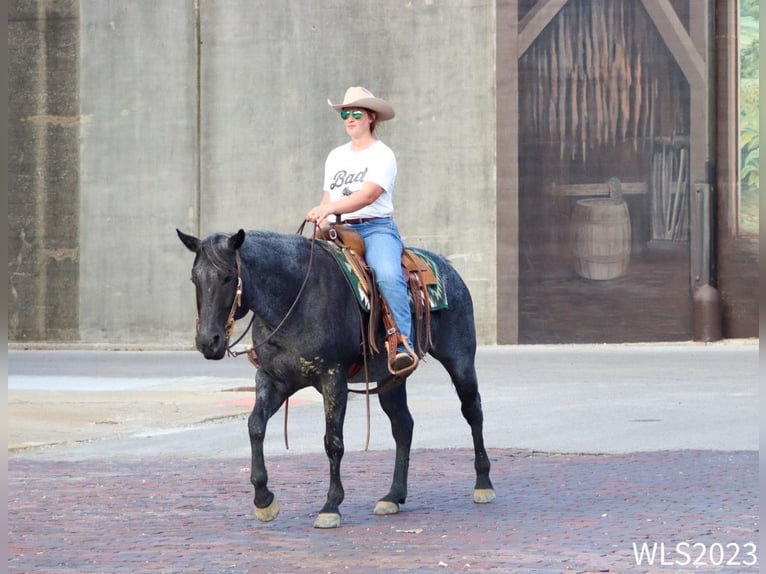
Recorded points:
(251,353)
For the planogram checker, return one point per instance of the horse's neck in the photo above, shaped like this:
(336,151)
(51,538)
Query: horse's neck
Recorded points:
(271,276)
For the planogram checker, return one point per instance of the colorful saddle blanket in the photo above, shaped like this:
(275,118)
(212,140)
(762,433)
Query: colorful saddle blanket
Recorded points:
(437,294)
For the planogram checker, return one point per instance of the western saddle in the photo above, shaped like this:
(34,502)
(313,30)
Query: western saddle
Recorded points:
(418,275)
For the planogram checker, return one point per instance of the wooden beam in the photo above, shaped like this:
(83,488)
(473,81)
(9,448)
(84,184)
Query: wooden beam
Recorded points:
(699,128)
(726,117)
(596,189)
(677,40)
(507,175)
(535,21)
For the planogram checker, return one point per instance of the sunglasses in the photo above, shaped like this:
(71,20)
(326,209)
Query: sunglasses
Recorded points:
(356,114)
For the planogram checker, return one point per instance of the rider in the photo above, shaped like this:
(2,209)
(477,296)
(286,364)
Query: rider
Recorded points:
(359,179)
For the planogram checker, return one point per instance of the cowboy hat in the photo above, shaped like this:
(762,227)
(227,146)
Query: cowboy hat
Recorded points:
(358,97)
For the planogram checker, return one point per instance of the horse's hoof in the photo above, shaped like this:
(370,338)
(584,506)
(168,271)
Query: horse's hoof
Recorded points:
(327,520)
(386,507)
(269,513)
(483,495)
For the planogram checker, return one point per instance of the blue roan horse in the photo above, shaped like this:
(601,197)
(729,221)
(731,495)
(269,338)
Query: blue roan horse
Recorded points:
(316,346)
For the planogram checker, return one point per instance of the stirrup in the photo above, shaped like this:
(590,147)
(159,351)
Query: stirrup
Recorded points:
(400,363)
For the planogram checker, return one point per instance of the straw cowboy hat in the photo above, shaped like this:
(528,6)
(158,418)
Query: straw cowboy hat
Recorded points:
(358,97)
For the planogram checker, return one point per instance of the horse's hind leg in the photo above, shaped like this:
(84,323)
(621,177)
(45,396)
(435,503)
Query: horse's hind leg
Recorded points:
(269,396)
(394,404)
(463,374)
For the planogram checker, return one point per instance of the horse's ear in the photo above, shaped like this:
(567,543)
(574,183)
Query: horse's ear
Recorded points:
(191,242)
(236,240)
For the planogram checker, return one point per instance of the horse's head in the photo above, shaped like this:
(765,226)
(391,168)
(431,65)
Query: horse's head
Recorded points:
(217,281)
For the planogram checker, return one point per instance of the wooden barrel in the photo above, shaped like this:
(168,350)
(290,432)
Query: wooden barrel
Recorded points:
(601,238)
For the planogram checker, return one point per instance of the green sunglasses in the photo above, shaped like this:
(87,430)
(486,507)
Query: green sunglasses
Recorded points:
(356,114)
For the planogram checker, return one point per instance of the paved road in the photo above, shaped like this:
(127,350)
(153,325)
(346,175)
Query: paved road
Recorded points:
(141,464)
(565,399)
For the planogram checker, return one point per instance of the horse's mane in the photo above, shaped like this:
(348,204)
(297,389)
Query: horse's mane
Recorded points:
(214,248)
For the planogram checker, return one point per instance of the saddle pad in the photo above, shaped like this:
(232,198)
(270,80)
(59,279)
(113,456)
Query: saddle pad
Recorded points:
(437,294)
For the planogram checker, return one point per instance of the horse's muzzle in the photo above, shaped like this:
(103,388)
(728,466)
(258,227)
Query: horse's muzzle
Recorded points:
(211,345)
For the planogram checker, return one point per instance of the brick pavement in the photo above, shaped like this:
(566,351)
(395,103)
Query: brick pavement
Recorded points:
(554,513)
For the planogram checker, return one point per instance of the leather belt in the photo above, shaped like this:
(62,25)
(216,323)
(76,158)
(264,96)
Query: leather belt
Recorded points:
(361,220)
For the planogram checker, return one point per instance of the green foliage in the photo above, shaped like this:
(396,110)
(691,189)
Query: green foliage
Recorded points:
(748,61)
(749,8)
(748,42)
(749,115)
(749,158)
(749,133)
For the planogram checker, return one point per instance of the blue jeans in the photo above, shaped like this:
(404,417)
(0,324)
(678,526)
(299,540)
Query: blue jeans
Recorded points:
(383,253)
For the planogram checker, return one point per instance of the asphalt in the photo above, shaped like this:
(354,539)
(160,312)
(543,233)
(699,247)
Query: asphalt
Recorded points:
(138,461)
(565,399)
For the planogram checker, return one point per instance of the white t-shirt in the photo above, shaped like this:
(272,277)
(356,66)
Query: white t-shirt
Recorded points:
(345,171)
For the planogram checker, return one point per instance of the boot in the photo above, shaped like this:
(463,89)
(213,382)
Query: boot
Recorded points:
(405,360)
(402,359)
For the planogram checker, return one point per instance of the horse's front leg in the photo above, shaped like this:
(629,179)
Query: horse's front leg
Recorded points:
(269,396)
(394,404)
(335,394)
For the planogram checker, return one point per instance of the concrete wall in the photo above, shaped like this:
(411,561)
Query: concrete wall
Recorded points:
(266,127)
(138,168)
(210,116)
(43,205)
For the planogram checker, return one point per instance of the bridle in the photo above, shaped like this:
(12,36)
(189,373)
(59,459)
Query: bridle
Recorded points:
(237,300)
(237,303)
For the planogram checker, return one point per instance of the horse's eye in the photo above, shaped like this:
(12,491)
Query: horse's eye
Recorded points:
(227,279)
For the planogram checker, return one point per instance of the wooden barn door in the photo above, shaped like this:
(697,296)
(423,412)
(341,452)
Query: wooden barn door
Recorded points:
(608,157)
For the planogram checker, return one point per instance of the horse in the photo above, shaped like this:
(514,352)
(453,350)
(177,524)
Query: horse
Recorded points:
(306,333)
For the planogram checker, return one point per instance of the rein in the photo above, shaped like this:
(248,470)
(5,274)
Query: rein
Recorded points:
(252,355)
(251,351)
